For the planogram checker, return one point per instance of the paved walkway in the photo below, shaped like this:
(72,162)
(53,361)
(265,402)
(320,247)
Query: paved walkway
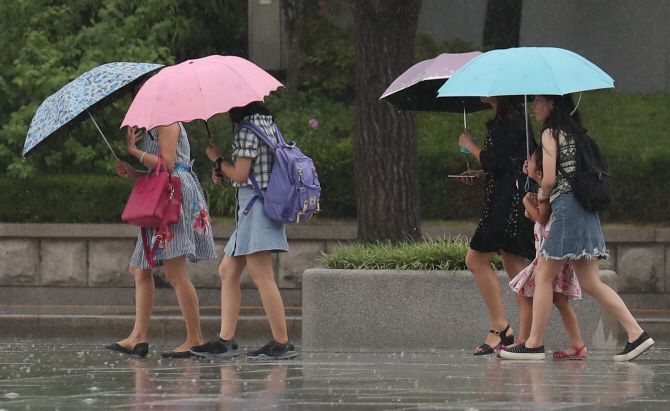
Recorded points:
(51,376)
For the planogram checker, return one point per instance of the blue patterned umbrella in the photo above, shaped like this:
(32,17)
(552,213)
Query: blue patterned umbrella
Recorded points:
(92,91)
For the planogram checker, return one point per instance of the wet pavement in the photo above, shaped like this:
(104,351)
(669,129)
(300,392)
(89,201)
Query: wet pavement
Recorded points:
(48,376)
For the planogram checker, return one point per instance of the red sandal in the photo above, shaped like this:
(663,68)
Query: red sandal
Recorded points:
(562,355)
(504,347)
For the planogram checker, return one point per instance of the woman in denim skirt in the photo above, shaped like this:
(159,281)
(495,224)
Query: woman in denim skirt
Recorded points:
(256,237)
(575,234)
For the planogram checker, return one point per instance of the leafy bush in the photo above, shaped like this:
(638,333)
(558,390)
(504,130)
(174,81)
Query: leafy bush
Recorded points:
(330,146)
(432,254)
(221,200)
(64,199)
(328,59)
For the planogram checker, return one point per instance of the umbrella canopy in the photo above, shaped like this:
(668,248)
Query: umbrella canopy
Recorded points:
(526,71)
(92,91)
(198,89)
(416,89)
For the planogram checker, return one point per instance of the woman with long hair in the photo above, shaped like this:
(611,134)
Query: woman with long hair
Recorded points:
(503,229)
(575,234)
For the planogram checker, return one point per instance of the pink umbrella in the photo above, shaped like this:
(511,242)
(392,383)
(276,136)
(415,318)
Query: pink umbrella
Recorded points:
(198,89)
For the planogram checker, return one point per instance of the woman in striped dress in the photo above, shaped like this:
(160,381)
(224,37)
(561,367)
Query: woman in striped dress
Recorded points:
(190,238)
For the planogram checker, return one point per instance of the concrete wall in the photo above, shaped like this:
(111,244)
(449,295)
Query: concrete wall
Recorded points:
(626,38)
(266,34)
(424,310)
(88,263)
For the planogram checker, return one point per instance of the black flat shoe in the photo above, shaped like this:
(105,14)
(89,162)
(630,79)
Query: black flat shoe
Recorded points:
(177,354)
(141,349)
(486,349)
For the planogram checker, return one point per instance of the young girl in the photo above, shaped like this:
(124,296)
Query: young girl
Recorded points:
(256,237)
(565,286)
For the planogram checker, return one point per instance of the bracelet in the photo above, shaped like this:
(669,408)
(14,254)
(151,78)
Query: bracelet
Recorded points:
(218,163)
(142,157)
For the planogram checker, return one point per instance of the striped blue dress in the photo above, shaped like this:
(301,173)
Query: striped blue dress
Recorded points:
(192,234)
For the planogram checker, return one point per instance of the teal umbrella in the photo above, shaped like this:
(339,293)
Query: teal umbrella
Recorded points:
(526,71)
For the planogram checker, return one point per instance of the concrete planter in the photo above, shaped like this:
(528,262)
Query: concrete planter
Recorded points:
(403,310)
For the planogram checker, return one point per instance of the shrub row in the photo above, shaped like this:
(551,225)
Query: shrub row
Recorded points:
(639,189)
(630,129)
(433,254)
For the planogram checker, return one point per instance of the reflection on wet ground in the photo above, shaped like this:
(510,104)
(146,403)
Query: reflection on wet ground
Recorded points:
(71,377)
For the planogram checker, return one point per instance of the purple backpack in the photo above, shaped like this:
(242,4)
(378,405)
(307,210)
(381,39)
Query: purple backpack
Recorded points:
(294,190)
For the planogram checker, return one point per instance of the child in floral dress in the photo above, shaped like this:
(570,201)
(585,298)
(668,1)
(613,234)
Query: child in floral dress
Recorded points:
(566,286)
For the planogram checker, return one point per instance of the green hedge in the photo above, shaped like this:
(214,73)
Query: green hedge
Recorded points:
(64,199)
(630,129)
(433,254)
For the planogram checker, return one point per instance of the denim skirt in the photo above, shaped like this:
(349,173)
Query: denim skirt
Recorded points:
(255,231)
(575,233)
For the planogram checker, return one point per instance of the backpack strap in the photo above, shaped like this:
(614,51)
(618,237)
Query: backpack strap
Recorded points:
(265,139)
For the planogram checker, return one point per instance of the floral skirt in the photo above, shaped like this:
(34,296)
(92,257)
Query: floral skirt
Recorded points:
(565,283)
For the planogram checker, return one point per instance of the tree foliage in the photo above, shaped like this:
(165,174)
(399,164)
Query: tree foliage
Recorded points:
(47,43)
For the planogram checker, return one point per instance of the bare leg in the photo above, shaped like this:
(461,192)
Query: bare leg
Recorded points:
(230,271)
(588,274)
(145,294)
(513,265)
(545,273)
(260,268)
(570,322)
(489,288)
(175,271)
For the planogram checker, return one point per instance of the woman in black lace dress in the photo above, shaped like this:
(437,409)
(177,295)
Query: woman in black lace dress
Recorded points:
(503,228)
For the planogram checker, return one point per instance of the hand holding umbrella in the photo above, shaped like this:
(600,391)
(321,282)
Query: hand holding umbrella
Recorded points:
(133,136)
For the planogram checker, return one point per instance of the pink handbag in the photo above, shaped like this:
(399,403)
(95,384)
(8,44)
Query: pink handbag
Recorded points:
(155,202)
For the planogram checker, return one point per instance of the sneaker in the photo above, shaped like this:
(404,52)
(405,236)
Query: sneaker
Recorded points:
(216,347)
(273,351)
(635,348)
(521,352)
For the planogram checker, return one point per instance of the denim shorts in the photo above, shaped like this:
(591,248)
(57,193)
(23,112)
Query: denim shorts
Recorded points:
(575,233)
(255,231)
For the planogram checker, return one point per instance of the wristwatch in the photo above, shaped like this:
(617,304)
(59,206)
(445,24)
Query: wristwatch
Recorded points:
(218,163)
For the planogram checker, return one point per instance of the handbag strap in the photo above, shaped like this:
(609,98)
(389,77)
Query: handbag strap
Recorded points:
(160,236)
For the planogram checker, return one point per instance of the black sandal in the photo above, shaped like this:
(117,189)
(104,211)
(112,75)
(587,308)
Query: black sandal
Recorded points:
(504,340)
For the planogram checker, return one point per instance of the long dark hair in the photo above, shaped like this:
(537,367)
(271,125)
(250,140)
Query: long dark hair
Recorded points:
(237,114)
(564,117)
(538,158)
(506,107)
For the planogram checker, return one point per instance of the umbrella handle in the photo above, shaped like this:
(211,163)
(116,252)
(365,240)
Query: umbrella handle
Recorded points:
(102,134)
(465,118)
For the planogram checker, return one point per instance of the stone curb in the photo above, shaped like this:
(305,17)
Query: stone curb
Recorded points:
(167,330)
(293,232)
(386,309)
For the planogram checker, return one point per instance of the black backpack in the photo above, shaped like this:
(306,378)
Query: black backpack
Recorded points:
(592,182)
